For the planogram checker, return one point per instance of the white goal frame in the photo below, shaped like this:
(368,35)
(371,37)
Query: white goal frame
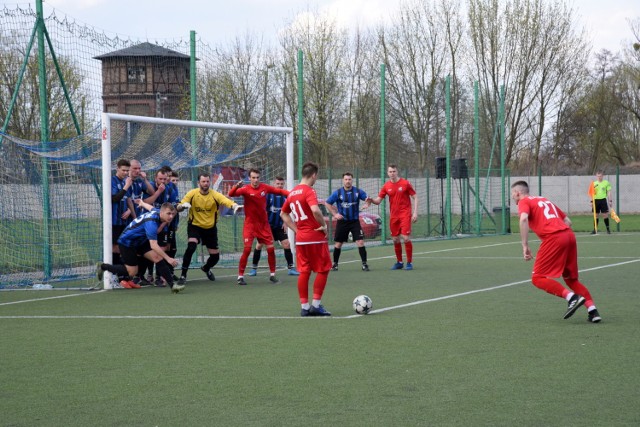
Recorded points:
(107,164)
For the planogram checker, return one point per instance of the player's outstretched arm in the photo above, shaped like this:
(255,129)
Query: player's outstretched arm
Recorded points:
(183,206)
(376,200)
(234,189)
(236,207)
(141,203)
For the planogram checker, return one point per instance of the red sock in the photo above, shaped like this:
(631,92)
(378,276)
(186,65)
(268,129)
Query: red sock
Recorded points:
(580,289)
(549,286)
(243,260)
(398,248)
(271,259)
(303,287)
(319,284)
(408,247)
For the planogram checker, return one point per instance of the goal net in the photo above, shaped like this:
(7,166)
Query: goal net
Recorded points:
(55,216)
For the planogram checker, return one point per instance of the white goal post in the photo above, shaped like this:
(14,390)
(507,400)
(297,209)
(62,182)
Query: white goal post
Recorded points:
(108,163)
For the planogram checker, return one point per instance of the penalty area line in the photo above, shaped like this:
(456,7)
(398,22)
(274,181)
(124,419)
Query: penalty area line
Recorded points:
(492,288)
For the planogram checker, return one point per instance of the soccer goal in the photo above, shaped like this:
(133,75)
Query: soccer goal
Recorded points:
(55,214)
(224,151)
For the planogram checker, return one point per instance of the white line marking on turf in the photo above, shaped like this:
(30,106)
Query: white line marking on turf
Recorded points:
(50,298)
(493,288)
(380,310)
(155,317)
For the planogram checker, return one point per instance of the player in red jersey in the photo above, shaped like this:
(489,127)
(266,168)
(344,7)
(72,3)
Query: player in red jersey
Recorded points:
(256,221)
(401,195)
(302,214)
(558,252)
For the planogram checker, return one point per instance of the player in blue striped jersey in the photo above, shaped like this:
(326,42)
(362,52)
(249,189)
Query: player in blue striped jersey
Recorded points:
(347,212)
(121,214)
(161,194)
(174,199)
(140,239)
(140,187)
(278,230)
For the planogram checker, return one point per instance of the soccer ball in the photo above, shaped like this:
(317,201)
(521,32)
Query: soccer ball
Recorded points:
(362,304)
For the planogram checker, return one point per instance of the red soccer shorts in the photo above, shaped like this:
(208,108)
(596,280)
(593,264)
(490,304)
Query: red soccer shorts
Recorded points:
(558,256)
(400,226)
(313,257)
(261,232)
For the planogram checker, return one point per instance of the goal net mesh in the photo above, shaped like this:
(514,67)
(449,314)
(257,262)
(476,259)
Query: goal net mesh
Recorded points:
(51,212)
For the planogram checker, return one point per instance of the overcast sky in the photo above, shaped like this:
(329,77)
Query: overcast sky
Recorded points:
(218,21)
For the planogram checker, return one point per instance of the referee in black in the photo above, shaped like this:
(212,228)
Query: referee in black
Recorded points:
(347,212)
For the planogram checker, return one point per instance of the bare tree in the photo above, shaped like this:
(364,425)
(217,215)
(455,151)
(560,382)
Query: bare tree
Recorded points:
(325,48)
(359,132)
(233,88)
(414,51)
(530,47)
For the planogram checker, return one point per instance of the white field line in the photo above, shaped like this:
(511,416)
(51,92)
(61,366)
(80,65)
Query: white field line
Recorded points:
(380,310)
(493,288)
(50,298)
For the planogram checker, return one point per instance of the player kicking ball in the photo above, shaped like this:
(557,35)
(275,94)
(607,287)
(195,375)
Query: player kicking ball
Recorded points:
(558,252)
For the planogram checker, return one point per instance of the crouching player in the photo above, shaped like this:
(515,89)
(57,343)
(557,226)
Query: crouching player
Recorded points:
(140,238)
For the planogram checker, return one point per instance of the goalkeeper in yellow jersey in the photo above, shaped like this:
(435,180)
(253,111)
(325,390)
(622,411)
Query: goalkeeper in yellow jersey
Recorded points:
(203,203)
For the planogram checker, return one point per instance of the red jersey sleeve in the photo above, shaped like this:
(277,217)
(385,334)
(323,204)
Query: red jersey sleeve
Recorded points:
(236,192)
(273,190)
(383,191)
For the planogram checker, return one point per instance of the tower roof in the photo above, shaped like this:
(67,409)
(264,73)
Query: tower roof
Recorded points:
(143,49)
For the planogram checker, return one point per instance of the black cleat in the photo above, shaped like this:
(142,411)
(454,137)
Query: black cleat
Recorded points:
(304,312)
(594,316)
(182,280)
(100,271)
(144,282)
(334,267)
(209,274)
(274,279)
(241,281)
(365,267)
(574,304)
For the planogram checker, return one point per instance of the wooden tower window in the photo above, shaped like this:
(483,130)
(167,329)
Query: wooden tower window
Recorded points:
(136,74)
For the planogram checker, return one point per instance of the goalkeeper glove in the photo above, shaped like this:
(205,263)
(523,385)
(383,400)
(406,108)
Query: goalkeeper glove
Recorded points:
(236,207)
(185,205)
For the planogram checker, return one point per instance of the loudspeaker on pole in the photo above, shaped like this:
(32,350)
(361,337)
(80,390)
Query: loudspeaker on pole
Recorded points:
(441,167)
(459,169)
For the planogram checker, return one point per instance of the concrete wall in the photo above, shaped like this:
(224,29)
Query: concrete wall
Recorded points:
(568,192)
